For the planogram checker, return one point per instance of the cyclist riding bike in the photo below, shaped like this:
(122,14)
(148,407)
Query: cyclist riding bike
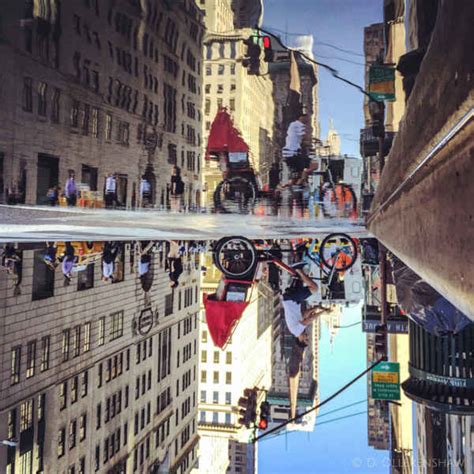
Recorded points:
(295,152)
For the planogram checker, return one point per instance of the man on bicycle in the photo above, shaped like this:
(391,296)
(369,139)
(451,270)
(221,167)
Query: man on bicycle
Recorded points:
(294,152)
(295,295)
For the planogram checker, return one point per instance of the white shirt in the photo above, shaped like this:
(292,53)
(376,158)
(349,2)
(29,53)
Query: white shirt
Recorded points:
(143,268)
(294,138)
(110,184)
(145,187)
(293,317)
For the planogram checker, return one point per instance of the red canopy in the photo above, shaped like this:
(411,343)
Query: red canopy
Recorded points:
(224,137)
(221,317)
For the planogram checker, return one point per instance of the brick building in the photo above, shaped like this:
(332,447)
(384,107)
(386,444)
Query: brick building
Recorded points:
(99,88)
(99,376)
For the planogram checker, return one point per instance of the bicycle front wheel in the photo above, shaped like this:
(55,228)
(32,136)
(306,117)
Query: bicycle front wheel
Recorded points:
(235,257)
(338,251)
(235,195)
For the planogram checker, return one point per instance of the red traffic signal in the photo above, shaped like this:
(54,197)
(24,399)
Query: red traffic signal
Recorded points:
(263,424)
(267,43)
(264,415)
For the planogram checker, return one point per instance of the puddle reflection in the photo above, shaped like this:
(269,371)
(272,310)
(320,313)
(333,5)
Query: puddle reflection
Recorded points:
(149,356)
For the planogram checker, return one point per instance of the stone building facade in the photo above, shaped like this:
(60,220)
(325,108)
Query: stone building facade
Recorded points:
(98,376)
(99,88)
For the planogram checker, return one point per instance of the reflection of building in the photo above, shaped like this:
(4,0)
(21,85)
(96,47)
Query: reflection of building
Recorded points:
(332,319)
(224,375)
(100,90)
(96,376)
(242,457)
(227,84)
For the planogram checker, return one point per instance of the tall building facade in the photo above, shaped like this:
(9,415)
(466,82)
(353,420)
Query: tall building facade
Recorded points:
(100,88)
(99,376)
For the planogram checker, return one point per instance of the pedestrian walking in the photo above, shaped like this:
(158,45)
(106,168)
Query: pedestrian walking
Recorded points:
(53,195)
(110,197)
(68,261)
(70,190)
(145,257)
(109,255)
(174,263)
(176,189)
(50,255)
(145,192)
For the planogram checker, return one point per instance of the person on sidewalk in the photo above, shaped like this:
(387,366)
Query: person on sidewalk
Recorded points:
(176,189)
(68,261)
(50,255)
(174,263)
(70,190)
(110,191)
(109,254)
(145,192)
(295,152)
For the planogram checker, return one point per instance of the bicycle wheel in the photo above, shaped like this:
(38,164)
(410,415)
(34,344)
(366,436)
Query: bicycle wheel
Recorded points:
(235,195)
(235,257)
(338,251)
(338,201)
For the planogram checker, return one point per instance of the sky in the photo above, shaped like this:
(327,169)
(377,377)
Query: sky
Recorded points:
(339,23)
(339,446)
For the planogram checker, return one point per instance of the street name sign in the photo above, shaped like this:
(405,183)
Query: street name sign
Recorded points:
(382,82)
(386,381)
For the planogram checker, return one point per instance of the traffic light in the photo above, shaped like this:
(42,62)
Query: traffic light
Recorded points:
(267,49)
(264,415)
(381,341)
(248,407)
(251,60)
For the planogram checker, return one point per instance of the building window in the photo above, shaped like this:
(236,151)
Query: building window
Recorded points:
(75,114)
(204,336)
(220,88)
(30,359)
(44,353)
(116,325)
(232,68)
(228,396)
(124,133)
(72,434)
(87,337)
(228,377)
(232,104)
(203,356)
(228,357)
(108,126)
(208,70)
(203,376)
(169,108)
(207,88)
(215,397)
(169,304)
(26,415)
(15,365)
(27,94)
(85,114)
(215,417)
(83,427)
(220,69)
(55,105)
(207,106)
(61,442)
(95,122)
(203,396)
(74,389)
(101,336)
(63,396)
(216,357)
(208,125)
(215,377)
(42,101)
(43,278)
(219,103)
(84,383)
(65,344)
(227,418)
(76,341)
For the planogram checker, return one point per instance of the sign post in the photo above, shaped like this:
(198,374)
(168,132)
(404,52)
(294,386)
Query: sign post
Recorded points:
(386,381)
(382,82)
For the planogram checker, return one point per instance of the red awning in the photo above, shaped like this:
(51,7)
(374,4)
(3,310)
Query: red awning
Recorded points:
(221,318)
(224,137)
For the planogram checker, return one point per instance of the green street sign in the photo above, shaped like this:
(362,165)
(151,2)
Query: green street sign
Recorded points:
(382,82)
(386,381)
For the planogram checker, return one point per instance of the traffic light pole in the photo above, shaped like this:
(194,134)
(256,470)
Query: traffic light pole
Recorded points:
(334,395)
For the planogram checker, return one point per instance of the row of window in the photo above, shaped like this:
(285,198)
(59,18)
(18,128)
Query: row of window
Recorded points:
(163,400)
(216,357)
(145,379)
(144,349)
(142,418)
(215,397)
(215,377)
(220,89)
(215,417)
(72,434)
(219,104)
(113,367)
(221,68)
(43,96)
(111,446)
(73,383)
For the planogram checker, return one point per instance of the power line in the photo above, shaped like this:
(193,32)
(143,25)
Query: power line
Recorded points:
(338,48)
(333,71)
(331,397)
